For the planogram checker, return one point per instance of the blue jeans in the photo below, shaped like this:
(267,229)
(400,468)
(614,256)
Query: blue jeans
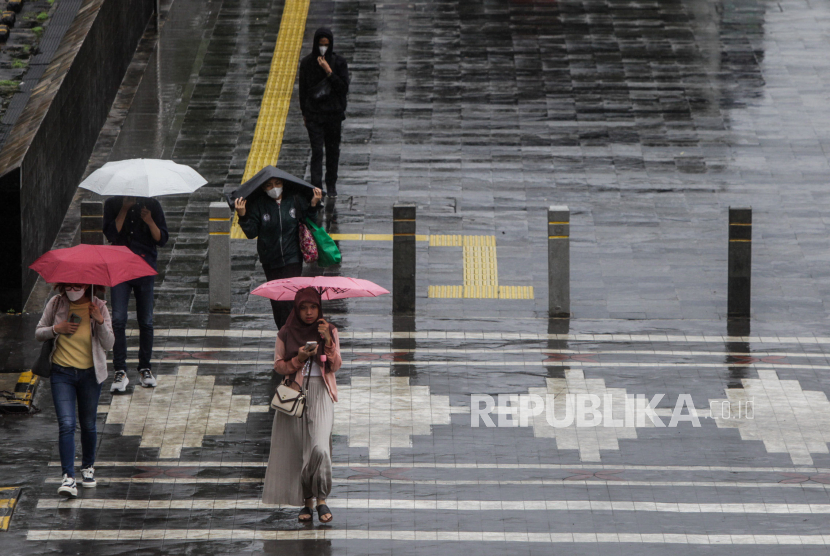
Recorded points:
(143,290)
(68,385)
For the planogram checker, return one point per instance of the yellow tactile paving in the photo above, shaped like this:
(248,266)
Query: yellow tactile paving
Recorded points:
(373,237)
(270,125)
(480,271)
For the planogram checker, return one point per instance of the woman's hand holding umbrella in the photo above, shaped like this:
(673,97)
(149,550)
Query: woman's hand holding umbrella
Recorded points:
(323,329)
(95,313)
(239,204)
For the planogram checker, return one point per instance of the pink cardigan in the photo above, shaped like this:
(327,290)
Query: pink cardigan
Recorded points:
(293,365)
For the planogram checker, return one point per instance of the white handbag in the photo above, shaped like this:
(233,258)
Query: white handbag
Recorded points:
(289,401)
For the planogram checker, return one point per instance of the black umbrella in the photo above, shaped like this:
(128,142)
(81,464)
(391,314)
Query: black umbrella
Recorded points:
(250,188)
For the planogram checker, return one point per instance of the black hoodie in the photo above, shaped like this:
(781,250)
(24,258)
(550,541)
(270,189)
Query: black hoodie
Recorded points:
(333,106)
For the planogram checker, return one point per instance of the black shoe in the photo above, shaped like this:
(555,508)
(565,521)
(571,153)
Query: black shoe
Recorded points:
(331,193)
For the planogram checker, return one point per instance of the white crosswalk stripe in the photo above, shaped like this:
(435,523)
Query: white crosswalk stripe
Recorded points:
(450,505)
(410,535)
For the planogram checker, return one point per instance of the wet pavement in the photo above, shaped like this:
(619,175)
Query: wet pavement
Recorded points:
(648,120)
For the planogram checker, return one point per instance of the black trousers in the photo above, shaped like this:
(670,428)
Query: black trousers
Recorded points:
(282,309)
(324,134)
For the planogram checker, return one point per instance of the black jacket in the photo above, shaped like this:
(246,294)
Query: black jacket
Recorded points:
(135,233)
(333,106)
(276,227)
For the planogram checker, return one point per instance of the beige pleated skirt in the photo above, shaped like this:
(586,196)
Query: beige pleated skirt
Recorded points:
(299,465)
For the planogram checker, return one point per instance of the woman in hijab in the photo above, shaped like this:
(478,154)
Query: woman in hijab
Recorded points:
(299,465)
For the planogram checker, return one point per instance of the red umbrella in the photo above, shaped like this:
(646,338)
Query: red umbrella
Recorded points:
(330,287)
(101,265)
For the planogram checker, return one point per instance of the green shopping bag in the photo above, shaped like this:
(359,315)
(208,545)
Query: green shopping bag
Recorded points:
(327,252)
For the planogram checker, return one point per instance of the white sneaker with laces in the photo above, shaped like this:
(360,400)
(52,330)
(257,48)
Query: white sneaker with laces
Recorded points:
(120,382)
(147,378)
(68,487)
(89,477)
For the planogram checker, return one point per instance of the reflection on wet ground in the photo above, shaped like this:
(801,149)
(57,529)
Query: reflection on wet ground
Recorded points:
(648,120)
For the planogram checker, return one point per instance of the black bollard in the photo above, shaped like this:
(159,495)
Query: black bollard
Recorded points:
(740,262)
(403,258)
(559,262)
(737,344)
(92,222)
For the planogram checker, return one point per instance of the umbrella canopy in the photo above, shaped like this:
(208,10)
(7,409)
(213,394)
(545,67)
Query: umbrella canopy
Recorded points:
(330,287)
(143,177)
(251,187)
(101,265)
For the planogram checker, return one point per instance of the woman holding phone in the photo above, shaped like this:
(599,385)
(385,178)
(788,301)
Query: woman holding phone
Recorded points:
(81,326)
(307,353)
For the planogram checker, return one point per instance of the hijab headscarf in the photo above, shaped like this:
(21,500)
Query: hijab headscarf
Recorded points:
(295,333)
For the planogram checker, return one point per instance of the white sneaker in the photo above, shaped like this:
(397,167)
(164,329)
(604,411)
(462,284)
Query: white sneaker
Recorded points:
(68,487)
(89,477)
(147,378)
(120,382)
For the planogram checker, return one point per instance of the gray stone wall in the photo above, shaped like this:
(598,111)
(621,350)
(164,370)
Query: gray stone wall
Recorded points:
(37,188)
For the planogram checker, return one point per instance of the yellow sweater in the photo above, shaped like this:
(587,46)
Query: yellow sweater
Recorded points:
(75,350)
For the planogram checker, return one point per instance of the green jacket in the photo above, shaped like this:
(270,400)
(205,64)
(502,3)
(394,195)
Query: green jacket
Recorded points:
(276,227)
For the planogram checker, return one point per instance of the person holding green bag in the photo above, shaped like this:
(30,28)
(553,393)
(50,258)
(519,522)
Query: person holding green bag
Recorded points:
(274,218)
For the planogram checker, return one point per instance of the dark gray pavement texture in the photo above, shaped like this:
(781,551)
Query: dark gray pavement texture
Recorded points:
(648,120)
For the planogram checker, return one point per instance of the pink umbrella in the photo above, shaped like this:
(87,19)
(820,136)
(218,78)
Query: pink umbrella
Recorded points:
(330,287)
(102,265)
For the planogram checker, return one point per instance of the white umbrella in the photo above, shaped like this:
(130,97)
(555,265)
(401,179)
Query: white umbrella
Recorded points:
(143,177)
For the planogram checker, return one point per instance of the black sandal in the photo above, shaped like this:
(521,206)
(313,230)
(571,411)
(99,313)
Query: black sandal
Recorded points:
(306,514)
(322,510)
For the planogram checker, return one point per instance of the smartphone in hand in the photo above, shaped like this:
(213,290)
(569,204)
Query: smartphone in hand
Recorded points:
(309,346)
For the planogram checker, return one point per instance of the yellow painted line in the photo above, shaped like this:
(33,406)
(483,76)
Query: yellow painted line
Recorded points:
(219,233)
(739,224)
(270,125)
(4,523)
(740,241)
(558,237)
(219,219)
(558,223)
(7,503)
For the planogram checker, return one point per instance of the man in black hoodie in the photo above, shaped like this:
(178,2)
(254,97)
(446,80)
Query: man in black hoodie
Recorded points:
(324,84)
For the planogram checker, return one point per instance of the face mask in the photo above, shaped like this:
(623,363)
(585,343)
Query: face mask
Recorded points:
(275,192)
(74,296)
(323,50)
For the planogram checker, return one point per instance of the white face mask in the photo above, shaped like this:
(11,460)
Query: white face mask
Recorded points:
(275,192)
(323,50)
(74,296)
